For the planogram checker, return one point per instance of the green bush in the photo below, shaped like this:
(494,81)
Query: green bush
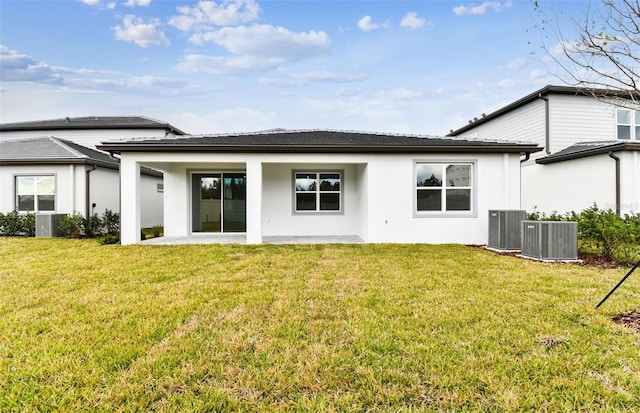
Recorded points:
(616,237)
(16,224)
(111,223)
(73,225)
(106,226)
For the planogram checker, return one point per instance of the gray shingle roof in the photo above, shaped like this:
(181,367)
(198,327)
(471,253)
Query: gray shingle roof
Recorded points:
(48,150)
(91,122)
(590,148)
(318,141)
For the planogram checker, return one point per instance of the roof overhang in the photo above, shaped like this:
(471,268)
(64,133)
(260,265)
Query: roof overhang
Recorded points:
(70,161)
(119,148)
(597,150)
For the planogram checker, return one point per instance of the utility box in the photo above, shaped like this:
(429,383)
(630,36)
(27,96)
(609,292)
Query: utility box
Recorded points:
(550,240)
(47,225)
(505,229)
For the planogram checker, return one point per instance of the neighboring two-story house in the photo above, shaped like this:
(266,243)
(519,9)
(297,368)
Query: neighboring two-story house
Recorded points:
(591,147)
(53,166)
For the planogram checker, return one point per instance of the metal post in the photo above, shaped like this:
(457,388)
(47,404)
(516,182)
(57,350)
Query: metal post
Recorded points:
(619,284)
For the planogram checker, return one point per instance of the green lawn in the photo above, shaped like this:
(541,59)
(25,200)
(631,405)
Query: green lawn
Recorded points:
(348,328)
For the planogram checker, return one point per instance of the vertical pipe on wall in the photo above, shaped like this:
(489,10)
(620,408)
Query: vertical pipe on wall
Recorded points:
(547,135)
(87,191)
(617,159)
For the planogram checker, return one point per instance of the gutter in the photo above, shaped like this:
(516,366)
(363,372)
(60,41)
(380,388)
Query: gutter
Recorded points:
(87,190)
(617,159)
(547,138)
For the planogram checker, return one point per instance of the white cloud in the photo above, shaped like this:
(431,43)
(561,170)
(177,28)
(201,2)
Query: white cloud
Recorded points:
(305,78)
(366,24)
(215,65)
(136,30)
(401,94)
(412,21)
(137,3)
(100,4)
(480,9)
(517,63)
(19,67)
(268,42)
(209,14)
(228,120)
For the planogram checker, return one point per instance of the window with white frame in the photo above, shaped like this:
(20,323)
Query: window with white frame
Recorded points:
(318,191)
(444,187)
(35,193)
(628,124)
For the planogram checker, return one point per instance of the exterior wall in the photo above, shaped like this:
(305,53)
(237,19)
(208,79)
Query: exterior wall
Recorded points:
(579,119)
(629,181)
(70,186)
(377,198)
(152,202)
(391,215)
(570,185)
(526,124)
(572,119)
(86,137)
(277,203)
(104,190)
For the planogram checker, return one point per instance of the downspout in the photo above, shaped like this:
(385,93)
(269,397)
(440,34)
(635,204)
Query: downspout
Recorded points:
(617,159)
(547,138)
(87,191)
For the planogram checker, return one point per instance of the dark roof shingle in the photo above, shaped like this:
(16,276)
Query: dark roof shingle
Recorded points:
(319,141)
(91,122)
(590,148)
(48,150)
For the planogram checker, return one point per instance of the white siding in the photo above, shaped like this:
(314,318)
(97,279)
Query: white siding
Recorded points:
(524,124)
(579,119)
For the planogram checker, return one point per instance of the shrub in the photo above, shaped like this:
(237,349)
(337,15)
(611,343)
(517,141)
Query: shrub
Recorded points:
(93,226)
(111,222)
(14,224)
(617,237)
(73,225)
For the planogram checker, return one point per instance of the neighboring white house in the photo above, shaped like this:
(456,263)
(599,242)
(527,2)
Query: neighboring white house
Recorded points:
(52,166)
(380,188)
(591,147)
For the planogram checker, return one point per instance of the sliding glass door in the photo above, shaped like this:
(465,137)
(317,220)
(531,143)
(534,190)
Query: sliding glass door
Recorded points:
(218,202)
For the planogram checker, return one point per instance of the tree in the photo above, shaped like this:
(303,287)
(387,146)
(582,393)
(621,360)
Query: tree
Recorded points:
(605,55)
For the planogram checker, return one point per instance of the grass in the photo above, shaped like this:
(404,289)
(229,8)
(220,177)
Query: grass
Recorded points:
(308,328)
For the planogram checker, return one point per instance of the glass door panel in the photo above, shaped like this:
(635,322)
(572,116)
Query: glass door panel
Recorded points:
(234,202)
(207,204)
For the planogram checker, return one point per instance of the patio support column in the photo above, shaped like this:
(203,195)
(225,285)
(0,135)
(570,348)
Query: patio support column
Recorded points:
(129,201)
(254,201)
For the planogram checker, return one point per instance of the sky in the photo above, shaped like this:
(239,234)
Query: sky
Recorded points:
(420,67)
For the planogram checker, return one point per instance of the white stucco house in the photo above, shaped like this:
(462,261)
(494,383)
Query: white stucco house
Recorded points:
(591,147)
(53,167)
(376,187)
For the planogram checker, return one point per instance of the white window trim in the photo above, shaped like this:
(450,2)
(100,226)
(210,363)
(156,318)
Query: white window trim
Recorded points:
(318,172)
(633,125)
(473,213)
(35,199)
